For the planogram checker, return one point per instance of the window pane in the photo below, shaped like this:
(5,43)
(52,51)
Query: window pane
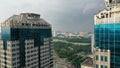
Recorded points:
(97,58)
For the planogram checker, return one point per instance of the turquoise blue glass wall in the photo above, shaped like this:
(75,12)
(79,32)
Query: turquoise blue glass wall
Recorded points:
(22,34)
(107,36)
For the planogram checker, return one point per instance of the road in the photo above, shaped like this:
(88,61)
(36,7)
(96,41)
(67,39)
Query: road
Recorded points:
(56,40)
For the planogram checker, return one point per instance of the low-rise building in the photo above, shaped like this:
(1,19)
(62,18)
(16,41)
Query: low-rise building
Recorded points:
(88,63)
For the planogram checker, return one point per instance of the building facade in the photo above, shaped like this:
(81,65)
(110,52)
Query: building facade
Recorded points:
(107,36)
(26,42)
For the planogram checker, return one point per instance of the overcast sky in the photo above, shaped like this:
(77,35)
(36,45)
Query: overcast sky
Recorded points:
(64,15)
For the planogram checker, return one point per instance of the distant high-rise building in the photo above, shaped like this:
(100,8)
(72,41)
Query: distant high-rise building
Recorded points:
(54,33)
(107,36)
(82,34)
(26,42)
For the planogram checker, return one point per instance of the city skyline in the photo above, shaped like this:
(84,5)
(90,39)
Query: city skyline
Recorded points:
(64,15)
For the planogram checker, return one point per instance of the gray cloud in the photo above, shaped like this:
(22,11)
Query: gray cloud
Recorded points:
(66,15)
(89,7)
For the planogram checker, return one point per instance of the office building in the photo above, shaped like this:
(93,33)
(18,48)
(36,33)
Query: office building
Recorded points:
(26,42)
(107,36)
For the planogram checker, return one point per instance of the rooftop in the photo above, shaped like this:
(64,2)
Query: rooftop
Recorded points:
(88,62)
(25,19)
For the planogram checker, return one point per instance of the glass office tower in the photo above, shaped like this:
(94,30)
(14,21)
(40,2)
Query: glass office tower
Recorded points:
(107,36)
(26,42)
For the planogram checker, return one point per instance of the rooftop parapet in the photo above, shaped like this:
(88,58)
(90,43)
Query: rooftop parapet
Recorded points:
(31,15)
(111,2)
(25,20)
(107,21)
